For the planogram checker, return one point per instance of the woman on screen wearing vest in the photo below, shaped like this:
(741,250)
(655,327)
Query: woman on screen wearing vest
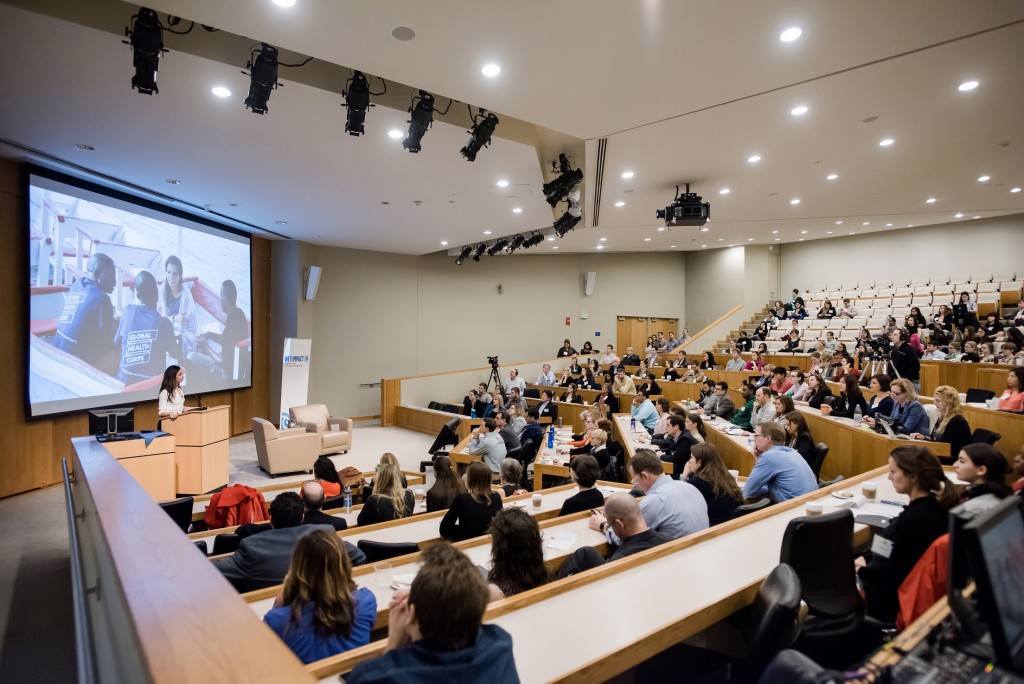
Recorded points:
(176,303)
(172,398)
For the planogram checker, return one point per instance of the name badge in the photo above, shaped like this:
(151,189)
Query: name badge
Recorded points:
(880,546)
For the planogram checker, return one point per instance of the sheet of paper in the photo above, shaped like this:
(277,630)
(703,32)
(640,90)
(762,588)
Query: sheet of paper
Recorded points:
(561,541)
(404,580)
(885,510)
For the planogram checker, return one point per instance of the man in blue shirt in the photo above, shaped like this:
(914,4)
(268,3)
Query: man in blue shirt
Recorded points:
(145,337)
(644,412)
(546,377)
(86,325)
(780,472)
(435,632)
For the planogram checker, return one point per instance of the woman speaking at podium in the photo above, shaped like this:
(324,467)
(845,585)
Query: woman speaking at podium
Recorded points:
(172,398)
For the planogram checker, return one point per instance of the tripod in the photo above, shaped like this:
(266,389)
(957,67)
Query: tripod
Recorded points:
(494,376)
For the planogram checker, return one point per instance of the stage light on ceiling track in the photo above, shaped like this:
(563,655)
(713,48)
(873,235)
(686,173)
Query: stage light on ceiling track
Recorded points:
(147,42)
(262,78)
(484,124)
(479,251)
(517,242)
(422,111)
(534,240)
(463,255)
(568,221)
(558,189)
(357,101)
(499,245)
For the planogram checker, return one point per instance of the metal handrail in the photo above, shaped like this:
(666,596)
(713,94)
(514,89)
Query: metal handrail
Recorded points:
(83,631)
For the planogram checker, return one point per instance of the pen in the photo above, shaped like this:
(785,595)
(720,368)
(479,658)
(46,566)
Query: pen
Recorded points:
(893,503)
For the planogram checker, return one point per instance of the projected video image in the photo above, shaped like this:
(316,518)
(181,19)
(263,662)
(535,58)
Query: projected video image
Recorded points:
(119,292)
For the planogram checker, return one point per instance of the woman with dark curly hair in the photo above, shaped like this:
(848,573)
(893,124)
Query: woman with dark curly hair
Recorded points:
(517,554)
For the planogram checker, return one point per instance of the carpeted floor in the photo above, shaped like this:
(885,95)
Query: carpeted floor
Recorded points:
(36,619)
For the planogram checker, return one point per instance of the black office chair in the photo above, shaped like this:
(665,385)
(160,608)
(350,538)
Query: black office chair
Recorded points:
(180,511)
(772,624)
(983,436)
(334,502)
(527,452)
(379,551)
(978,396)
(617,452)
(225,543)
(201,545)
(434,405)
(825,483)
(531,393)
(750,508)
(821,551)
(516,453)
(820,452)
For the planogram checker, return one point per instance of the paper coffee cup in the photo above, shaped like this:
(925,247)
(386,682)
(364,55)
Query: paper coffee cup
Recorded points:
(870,490)
(536,498)
(419,494)
(814,508)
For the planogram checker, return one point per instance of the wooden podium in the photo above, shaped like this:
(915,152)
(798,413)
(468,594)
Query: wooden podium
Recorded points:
(201,448)
(151,465)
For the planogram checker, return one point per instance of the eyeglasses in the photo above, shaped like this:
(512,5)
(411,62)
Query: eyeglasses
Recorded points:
(895,393)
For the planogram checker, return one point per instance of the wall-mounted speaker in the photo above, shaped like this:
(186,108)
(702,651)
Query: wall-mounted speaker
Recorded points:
(312,282)
(589,280)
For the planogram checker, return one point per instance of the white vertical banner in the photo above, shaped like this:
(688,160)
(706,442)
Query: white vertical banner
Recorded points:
(294,375)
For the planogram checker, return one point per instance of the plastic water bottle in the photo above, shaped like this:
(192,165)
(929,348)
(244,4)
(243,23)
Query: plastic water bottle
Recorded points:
(632,424)
(348,499)
(551,437)
(472,413)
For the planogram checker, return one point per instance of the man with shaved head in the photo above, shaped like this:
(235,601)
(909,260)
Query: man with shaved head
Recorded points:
(623,516)
(313,500)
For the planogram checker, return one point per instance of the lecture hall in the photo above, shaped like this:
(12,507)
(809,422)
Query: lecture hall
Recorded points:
(579,341)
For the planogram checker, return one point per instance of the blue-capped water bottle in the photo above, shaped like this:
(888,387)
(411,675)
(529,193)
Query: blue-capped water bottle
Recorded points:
(551,437)
(472,412)
(347,501)
(632,424)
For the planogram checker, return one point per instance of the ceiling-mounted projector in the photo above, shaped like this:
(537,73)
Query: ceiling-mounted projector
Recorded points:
(686,209)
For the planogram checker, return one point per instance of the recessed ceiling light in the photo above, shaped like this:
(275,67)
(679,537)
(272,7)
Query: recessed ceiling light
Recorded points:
(517,210)
(798,111)
(84,147)
(600,246)
(866,223)
(604,239)
(967,85)
(910,225)
(281,223)
(673,246)
(801,239)
(316,236)
(221,91)
(501,184)
(487,232)
(704,229)
(721,239)
(703,246)
(888,225)
(1011,189)
(551,239)
(794,201)
(491,70)
(977,217)
(403,33)
(620,203)
(173,181)
(958,215)
(754,158)
(395,134)
(444,243)
(775,232)
(627,174)
(839,223)
(832,176)
(850,233)
(555,247)
(284,3)
(886,142)
(723,191)
(983,179)
(790,34)
(661,229)
(931,200)
(828,232)
(750,239)
(778,239)
(803,232)
(647,239)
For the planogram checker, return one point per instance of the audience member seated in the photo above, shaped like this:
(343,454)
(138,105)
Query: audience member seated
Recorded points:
(932,352)
(262,559)
(783,405)
(798,312)
(312,501)
(623,520)
(707,472)
(488,444)
(1007,354)
(798,435)
(1013,398)
(799,390)
(767,374)
(588,380)
(1018,472)
(950,427)
(566,349)
(389,501)
(447,485)
(533,430)
(709,362)
(755,363)
(764,406)
(649,386)
(630,358)
(610,359)
(515,398)
(623,384)
(587,348)
(907,416)
(744,343)
(735,362)
(881,401)
(718,403)
(780,383)
(321,612)
(848,310)
(546,377)
(644,412)
(584,471)
(970,354)
(983,468)
(965,312)
(510,477)
(827,311)
(517,554)
(547,407)
(670,507)
(916,472)
(779,309)
(779,471)
(598,448)
(435,632)
(817,390)
(986,352)
(570,396)
(327,475)
(741,418)
(851,399)
(505,430)
(582,439)
(470,513)
(678,445)
(606,403)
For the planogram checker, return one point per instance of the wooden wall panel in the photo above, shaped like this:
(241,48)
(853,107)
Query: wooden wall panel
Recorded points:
(31,450)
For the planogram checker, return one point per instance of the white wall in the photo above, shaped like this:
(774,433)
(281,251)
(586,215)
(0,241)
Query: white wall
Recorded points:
(383,315)
(986,245)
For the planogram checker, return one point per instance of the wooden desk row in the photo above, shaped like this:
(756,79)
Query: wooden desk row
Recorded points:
(714,573)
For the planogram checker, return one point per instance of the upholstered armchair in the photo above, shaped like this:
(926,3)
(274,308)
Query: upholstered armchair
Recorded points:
(284,451)
(315,418)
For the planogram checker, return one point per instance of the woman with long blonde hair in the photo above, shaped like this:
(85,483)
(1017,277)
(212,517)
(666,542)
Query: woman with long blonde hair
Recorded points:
(951,426)
(389,501)
(321,612)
